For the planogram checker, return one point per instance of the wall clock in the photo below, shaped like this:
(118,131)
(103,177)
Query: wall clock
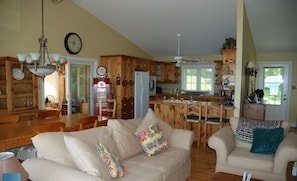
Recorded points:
(73,43)
(101,71)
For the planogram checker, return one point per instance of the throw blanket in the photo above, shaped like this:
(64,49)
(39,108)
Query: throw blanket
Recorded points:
(244,130)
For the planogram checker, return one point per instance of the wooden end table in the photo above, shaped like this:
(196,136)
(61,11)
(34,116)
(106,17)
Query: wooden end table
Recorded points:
(221,176)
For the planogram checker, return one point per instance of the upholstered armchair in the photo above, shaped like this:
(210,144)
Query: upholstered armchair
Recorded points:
(235,156)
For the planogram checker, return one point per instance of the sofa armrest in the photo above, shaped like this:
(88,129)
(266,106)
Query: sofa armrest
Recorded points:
(223,143)
(286,152)
(181,138)
(54,171)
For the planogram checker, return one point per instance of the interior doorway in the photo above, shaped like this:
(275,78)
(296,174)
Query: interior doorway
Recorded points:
(78,88)
(274,79)
(71,90)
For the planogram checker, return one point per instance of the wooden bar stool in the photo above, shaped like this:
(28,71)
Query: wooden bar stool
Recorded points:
(213,116)
(193,118)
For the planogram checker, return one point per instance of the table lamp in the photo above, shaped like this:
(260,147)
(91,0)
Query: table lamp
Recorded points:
(10,164)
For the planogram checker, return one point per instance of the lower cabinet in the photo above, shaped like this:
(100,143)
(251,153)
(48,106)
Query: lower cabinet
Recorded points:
(254,111)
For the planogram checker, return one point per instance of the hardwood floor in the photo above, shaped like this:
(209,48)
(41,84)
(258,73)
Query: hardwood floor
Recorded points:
(203,163)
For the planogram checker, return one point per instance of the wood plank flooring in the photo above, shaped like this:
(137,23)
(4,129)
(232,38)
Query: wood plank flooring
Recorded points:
(203,163)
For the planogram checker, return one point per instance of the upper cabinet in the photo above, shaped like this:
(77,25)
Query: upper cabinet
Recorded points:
(18,90)
(166,72)
(229,68)
(218,71)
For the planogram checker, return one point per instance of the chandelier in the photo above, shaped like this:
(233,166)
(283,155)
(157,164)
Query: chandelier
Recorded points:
(41,63)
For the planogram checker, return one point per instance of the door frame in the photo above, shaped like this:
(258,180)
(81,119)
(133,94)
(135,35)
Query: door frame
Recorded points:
(93,63)
(288,67)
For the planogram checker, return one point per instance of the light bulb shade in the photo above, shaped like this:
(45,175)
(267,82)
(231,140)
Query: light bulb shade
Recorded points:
(35,56)
(42,70)
(9,164)
(56,57)
(29,60)
(178,64)
(62,60)
(251,64)
(21,57)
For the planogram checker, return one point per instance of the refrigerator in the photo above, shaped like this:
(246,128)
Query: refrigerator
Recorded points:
(141,94)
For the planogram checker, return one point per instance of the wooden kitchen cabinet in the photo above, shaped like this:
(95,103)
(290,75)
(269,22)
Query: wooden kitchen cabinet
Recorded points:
(218,71)
(122,67)
(229,68)
(254,111)
(19,93)
(167,72)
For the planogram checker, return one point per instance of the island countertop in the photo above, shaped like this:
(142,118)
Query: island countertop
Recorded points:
(188,97)
(173,111)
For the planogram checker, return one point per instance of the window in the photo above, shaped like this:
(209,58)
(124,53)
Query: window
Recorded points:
(198,78)
(273,85)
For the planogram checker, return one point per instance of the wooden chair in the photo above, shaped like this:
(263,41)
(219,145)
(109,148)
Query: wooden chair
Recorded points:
(86,122)
(8,118)
(47,114)
(213,116)
(29,151)
(49,127)
(108,111)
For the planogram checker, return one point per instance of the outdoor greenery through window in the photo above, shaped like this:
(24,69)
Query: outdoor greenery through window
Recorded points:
(273,85)
(198,78)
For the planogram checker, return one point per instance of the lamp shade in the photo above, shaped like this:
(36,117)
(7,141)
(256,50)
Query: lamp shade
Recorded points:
(251,64)
(9,164)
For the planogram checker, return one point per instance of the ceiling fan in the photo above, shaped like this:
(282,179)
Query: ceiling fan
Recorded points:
(179,59)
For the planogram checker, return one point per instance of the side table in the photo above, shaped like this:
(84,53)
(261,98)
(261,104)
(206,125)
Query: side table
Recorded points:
(289,175)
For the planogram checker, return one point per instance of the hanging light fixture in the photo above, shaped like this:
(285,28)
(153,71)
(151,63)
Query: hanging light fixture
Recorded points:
(41,63)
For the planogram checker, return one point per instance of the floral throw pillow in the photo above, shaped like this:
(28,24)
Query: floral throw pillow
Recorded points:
(152,140)
(115,167)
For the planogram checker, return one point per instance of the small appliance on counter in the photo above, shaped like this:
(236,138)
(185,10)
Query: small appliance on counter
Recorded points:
(159,90)
(152,85)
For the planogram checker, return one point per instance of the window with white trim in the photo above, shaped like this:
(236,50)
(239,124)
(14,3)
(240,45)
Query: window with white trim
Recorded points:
(198,78)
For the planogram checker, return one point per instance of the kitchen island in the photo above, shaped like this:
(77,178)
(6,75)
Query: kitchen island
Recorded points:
(173,111)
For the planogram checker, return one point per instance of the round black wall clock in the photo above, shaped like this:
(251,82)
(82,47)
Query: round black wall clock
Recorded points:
(73,43)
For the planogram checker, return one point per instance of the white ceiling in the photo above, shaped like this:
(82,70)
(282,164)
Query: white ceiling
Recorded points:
(153,25)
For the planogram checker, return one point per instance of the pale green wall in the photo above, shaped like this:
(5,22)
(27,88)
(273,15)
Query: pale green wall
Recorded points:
(20,28)
(246,51)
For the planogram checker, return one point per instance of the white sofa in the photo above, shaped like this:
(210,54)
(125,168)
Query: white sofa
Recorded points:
(57,162)
(234,156)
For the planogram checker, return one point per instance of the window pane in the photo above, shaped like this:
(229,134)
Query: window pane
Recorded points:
(206,80)
(197,78)
(273,85)
(191,79)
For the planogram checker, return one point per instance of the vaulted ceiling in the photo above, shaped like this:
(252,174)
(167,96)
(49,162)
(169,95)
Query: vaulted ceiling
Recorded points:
(153,25)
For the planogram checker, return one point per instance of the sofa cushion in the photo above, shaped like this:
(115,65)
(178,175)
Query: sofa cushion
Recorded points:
(115,167)
(150,118)
(58,151)
(152,140)
(86,157)
(124,136)
(161,166)
(243,158)
(266,141)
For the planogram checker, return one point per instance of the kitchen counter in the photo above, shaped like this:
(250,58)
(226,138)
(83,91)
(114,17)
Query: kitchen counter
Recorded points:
(188,97)
(173,111)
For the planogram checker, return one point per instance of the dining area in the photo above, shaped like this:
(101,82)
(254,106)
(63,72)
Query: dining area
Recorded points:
(15,133)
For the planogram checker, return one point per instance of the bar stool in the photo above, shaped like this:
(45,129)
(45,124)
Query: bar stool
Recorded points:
(193,118)
(213,116)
